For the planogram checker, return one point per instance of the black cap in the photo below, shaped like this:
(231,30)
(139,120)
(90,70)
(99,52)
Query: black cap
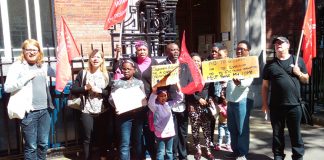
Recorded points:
(280,38)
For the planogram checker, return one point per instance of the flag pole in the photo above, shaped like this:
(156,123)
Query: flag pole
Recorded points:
(299,45)
(121,32)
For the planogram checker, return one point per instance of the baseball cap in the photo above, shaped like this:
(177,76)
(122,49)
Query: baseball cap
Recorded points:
(280,38)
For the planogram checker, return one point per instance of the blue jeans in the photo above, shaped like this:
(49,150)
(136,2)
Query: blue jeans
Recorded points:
(238,117)
(164,148)
(223,131)
(130,125)
(35,127)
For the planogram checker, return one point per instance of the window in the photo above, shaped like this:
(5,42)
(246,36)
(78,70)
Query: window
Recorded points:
(23,19)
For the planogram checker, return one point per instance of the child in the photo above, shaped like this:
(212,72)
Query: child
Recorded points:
(222,122)
(163,120)
(129,124)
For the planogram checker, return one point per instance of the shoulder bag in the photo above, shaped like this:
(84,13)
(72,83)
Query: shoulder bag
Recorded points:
(73,101)
(306,116)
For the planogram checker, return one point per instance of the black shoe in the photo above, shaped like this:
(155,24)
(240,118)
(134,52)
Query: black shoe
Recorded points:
(231,156)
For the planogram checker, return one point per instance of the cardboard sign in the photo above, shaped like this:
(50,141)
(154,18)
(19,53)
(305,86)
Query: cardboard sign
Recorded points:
(135,99)
(225,69)
(163,75)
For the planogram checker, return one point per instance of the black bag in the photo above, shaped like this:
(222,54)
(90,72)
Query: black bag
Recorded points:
(306,117)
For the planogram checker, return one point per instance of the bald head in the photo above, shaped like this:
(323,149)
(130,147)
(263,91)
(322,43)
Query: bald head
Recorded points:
(172,51)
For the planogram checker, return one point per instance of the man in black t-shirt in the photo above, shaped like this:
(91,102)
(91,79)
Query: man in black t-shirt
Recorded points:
(284,78)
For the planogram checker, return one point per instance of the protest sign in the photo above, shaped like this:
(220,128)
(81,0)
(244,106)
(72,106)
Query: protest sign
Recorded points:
(224,69)
(135,99)
(163,75)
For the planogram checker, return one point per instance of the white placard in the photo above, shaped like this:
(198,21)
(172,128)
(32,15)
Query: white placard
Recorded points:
(128,99)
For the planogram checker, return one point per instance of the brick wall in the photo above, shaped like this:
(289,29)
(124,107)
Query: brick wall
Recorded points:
(284,18)
(85,19)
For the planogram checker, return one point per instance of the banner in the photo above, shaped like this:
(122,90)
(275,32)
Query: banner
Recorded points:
(225,69)
(309,38)
(197,83)
(116,13)
(66,51)
(163,75)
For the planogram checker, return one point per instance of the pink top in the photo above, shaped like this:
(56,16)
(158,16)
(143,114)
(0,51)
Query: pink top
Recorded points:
(143,63)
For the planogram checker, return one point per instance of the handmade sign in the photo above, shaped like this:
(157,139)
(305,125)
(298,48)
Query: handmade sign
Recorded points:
(135,99)
(224,69)
(163,75)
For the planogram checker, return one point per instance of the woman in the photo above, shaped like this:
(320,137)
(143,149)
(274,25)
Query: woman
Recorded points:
(94,89)
(28,75)
(143,71)
(199,116)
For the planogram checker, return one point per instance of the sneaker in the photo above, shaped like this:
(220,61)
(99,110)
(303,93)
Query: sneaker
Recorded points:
(228,147)
(217,148)
(211,144)
(231,156)
(210,156)
(197,156)
(241,158)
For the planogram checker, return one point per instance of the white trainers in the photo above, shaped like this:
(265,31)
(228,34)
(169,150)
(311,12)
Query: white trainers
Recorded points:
(241,158)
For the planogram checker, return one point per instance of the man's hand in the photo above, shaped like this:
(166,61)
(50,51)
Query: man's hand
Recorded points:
(236,81)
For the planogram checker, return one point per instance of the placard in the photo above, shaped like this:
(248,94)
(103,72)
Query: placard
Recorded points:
(225,69)
(135,98)
(164,75)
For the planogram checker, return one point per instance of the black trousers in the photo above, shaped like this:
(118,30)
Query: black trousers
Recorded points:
(180,120)
(280,117)
(94,127)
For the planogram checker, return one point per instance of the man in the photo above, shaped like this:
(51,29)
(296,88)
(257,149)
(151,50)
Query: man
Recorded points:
(284,106)
(179,112)
(240,103)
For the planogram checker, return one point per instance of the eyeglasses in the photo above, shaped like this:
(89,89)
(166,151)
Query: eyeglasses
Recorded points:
(241,49)
(31,50)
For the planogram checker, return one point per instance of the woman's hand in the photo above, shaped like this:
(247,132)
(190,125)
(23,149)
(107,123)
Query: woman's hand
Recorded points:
(203,102)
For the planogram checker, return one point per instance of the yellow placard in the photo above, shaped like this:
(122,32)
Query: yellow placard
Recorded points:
(224,69)
(164,75)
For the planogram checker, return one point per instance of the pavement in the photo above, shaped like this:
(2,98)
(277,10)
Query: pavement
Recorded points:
(260,141)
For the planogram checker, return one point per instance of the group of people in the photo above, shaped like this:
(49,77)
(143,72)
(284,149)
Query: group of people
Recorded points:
(158,129)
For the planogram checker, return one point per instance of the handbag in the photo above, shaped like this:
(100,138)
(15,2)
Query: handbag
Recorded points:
(74,101)
(306,116)
(212,108)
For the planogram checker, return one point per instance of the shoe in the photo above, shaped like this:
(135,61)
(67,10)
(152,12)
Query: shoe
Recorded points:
(210,156)
(211,144)
(197,156)
(231,156)
(228,147)
(217,148)
(241,158)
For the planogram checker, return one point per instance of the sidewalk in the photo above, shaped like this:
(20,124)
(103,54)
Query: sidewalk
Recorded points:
(260,141)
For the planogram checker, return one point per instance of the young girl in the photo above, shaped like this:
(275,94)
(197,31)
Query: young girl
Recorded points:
(163,121)
(94,89)
(128,123)
(222,122)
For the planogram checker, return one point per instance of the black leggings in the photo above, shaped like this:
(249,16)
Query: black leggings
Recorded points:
(95,127)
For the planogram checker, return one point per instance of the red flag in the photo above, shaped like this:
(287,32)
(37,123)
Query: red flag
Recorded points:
(66,51)
(309,37)
(197,83)
(116,13)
